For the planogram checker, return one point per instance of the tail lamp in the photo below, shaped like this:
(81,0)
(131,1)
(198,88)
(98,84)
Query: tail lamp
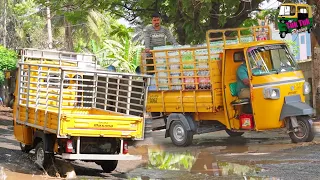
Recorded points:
(125,148)
(69,146)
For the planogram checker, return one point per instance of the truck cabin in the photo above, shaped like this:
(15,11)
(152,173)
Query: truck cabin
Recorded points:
(261,58)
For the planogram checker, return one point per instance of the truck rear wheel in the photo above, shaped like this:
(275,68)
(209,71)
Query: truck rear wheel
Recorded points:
(25,148)
(305,132)
(108,166)
(234,134)
(179,134)
(42,159)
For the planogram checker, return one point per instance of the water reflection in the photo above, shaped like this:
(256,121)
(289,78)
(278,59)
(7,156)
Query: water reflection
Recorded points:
(204,162)
(159,159)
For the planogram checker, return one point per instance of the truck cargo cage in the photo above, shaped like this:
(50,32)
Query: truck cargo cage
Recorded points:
(71,89)
(190,67)
(61,58)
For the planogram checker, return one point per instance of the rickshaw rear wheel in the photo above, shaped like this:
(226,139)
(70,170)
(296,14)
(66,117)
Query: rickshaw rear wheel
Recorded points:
(179,134)
(305,131)
(234,134)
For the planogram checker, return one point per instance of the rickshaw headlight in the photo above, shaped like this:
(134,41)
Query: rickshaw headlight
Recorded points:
(306,88)
(271,93)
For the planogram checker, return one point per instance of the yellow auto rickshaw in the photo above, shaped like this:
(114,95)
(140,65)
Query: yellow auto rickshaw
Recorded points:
(194,88)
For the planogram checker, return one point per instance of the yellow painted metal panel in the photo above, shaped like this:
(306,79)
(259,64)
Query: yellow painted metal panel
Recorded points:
(87,122)
(270,119)
(100,125)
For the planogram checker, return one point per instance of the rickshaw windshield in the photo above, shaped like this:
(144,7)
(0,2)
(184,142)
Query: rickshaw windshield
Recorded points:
(287,11)
(270,59)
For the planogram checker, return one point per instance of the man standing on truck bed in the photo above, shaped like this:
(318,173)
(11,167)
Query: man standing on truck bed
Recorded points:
(155,35)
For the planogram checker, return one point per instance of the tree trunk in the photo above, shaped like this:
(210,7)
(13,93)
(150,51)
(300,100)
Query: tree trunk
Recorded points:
(49,27)
(68,35)
(315,37)
(316,79)
(5,24)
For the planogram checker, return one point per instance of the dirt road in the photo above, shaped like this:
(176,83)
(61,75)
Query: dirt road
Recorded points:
(265,155)
(15,164)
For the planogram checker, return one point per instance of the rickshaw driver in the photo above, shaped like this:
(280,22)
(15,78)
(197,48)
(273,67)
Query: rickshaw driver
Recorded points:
(243,82)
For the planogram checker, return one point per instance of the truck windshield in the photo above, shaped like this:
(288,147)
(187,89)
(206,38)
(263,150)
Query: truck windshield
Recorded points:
(270,59)
(287,11)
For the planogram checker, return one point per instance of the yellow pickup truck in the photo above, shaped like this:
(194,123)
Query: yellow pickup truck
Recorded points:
(64,105)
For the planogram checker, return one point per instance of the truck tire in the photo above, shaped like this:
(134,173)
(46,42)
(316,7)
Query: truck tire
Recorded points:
(234,134)
(25,148)
(148,128)
(179,134)
(108,166)
(43,160)
(305,132)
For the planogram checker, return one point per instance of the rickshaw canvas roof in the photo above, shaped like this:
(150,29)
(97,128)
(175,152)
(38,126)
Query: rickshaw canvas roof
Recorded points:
(252,44)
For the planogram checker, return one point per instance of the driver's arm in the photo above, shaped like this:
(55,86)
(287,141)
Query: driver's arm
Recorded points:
(242,73)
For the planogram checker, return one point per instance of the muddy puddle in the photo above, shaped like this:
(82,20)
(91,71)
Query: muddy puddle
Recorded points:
(217,162)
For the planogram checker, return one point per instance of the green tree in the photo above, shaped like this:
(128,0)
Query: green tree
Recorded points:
(190,19)
(8,61)
(30,24)
(25,24)
(111,41)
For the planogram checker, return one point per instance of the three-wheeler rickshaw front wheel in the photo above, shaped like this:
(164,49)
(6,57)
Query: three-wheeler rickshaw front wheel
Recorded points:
(304,132)
(179,134)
